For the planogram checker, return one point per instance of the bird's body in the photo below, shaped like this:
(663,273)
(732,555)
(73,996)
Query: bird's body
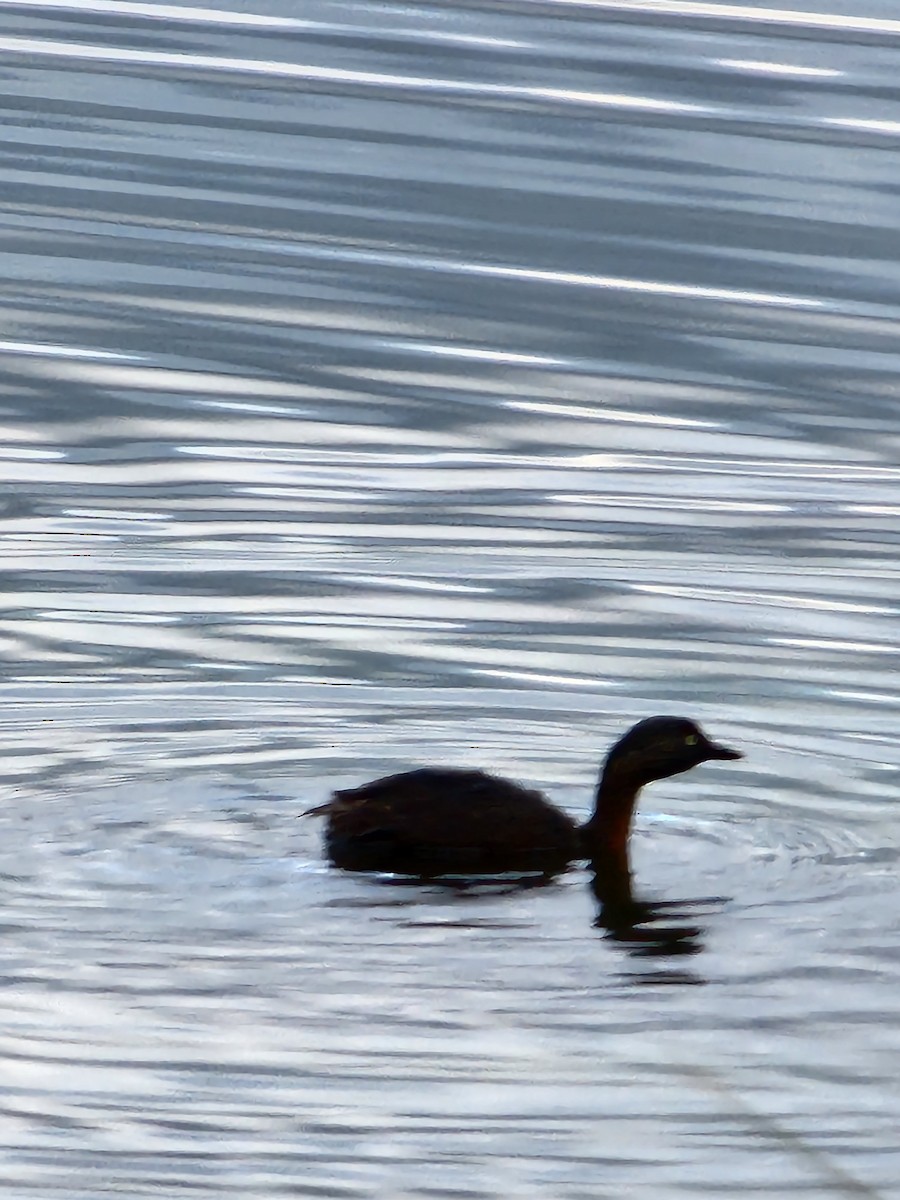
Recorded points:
(439,821)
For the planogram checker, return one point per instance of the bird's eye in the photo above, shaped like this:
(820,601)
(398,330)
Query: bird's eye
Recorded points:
(691,739)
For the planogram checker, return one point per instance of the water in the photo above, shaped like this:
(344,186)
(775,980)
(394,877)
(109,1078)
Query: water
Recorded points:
(387,385)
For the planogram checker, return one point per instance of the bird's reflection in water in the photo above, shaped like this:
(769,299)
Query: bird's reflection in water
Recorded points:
(647,928)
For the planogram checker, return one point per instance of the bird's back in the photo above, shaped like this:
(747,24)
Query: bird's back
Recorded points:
(441,821)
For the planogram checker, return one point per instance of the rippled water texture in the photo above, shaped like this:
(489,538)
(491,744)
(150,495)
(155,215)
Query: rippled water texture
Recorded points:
(386,385)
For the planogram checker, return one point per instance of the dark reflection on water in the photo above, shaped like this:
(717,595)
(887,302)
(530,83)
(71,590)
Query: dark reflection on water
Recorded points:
(385,386)
(646,928)
(651,928)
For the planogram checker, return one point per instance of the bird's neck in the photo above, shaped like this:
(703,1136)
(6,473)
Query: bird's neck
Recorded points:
(605,835)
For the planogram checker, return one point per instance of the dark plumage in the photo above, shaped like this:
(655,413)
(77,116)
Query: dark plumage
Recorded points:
(443,821)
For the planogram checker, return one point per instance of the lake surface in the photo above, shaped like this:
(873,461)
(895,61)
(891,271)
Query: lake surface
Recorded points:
(395,384)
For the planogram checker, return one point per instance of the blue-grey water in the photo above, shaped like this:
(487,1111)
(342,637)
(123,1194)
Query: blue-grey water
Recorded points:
(393,384)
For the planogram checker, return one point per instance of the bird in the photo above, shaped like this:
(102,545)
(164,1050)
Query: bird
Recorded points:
(443,821)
